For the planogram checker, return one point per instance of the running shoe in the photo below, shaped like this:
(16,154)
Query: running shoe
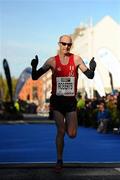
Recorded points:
(58,166)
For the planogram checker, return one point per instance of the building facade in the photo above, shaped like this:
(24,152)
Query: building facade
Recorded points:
(32,91)
(101,41)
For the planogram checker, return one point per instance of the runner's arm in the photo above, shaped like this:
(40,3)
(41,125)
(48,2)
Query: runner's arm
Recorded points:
(89,72)
(38,73)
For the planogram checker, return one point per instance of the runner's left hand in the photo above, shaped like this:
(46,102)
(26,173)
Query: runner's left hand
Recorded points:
(92,64)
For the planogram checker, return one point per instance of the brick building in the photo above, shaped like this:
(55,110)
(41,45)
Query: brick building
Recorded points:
(37,91)
(32,91)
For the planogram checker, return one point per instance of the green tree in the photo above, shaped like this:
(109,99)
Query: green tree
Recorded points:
(4,93)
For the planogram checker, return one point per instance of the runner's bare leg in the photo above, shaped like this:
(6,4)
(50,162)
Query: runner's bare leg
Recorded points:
(59,118)
(71,124)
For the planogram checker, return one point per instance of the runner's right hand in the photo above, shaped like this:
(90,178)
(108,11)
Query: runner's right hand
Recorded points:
(34,62)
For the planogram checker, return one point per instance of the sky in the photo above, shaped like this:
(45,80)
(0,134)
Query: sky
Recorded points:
(30,27)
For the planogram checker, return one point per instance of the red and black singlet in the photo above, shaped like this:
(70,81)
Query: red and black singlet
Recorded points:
(64,78)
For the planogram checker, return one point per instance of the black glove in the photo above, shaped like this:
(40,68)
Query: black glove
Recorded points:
(92,64)
(34,62)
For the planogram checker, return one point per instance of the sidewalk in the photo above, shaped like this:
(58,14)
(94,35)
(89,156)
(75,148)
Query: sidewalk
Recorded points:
(68,173)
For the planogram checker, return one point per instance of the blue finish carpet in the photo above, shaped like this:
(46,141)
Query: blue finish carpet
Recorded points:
(27,143)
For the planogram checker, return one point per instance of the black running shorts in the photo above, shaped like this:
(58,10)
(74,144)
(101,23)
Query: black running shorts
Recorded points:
(63,104)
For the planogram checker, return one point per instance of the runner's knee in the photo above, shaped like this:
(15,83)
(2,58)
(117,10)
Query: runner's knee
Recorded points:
(72,134)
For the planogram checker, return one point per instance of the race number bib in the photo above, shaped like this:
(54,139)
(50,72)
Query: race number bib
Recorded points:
(65,86)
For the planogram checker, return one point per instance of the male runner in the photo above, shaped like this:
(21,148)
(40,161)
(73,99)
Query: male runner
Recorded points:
(64,67)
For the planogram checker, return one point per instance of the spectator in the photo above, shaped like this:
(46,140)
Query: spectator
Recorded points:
(103,118)
(80,109)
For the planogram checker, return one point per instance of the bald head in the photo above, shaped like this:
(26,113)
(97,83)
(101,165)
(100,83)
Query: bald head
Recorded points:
(66,38)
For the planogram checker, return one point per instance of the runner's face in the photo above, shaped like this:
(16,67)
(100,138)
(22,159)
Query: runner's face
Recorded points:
(65,44)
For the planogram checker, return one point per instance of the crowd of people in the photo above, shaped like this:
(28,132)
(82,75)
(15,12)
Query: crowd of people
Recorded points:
(103,113)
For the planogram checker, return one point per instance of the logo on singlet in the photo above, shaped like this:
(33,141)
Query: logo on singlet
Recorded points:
(71,71)
(59,68)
